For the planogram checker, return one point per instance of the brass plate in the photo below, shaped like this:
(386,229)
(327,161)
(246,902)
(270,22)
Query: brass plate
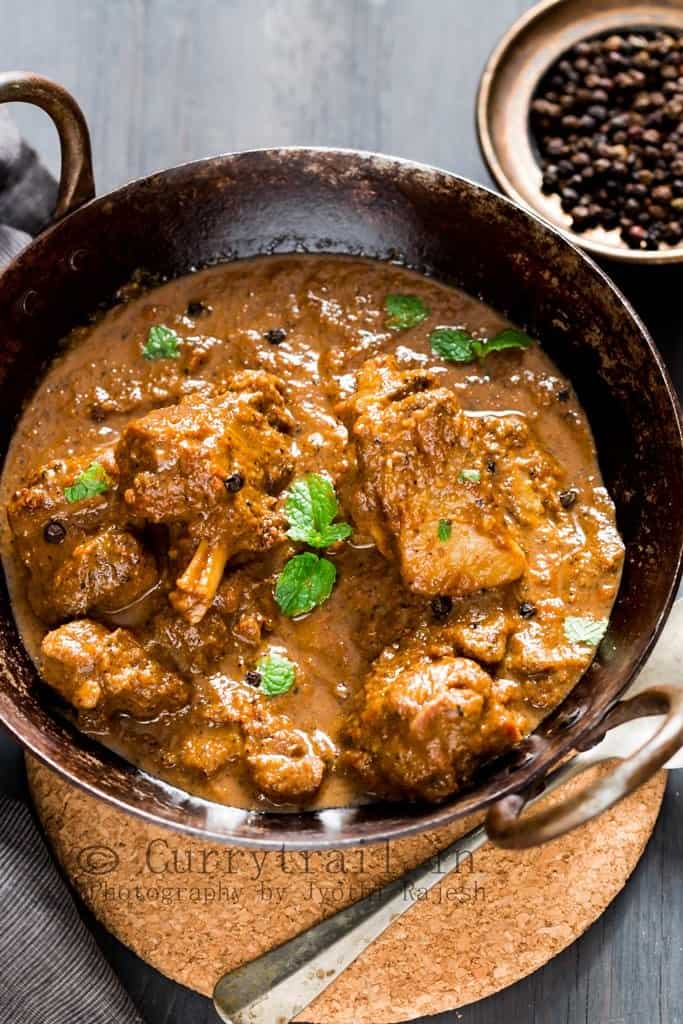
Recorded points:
(507,86)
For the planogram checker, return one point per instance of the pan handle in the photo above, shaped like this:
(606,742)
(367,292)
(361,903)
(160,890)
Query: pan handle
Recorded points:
(506,828)
(77,184)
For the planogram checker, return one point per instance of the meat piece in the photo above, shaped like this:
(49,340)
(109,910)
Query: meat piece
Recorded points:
(192,648)
(221,700)
(479,626)
(92,667)
(213,464)
(76,557)
(207,750)
(176,463)
(105,572)
(242,611)
(285,765)
(422,725)
(246,596)
(421,459)
(540,658)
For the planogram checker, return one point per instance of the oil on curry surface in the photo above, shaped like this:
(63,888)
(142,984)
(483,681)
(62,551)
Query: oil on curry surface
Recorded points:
(300,531)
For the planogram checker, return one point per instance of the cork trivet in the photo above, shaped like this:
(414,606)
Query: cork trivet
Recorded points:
(194,909)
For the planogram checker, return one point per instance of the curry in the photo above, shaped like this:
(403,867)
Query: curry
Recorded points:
(305,530)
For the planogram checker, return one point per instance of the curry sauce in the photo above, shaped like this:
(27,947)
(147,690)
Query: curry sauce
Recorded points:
(300,531)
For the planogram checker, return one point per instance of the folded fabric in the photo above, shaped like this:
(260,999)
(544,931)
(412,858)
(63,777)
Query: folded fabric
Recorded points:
(28,192)
(51,969)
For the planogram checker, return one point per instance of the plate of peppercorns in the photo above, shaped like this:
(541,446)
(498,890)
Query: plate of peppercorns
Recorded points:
(580,118)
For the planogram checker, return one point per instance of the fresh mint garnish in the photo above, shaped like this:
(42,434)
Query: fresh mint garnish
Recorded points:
(278,674)
(404,311)
(584,630)
(162,343)
(88,483)
(310,507)
(444,528)
(509,338)
(454,344)
(458,346)
(304,583)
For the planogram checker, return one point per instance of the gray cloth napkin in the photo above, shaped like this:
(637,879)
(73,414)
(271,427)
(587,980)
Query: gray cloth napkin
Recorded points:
(51,970)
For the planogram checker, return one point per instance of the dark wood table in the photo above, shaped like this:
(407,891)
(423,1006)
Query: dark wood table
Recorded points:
(164,81)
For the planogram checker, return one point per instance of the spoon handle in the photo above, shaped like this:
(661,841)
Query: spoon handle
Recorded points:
(279,984)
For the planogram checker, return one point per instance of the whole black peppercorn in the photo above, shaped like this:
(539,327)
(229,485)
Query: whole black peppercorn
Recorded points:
(567,498)
(556,146)
(570,198)
(549,183)
(673,232)
(253,678)
(234,483)
(441,607)
(276,336)
(195,309)
(54,531)
(527,610)
(581,218)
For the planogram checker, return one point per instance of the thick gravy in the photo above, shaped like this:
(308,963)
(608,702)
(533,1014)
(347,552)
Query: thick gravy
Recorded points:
(357,392)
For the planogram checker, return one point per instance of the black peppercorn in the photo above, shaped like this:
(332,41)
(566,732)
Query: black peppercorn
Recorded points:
(234,483)
(195,309)
(441,607)
(581,218)
(276,336)
(570,198)
(253,678)
(567,498)
(527,610)
(54,531)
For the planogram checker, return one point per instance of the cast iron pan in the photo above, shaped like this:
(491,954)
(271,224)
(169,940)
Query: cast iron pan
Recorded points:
(340,201)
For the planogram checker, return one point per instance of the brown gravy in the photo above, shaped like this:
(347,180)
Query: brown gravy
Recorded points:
(332,310)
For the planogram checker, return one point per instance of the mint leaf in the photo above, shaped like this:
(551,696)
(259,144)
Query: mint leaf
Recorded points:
(457,346)
(278,674)
(443,530)
(469,476)
(310,507)
(509,338)
(404,311)
(304,583)
(162,343)
(454,344)
(331,534)
(586,630)
(88,483)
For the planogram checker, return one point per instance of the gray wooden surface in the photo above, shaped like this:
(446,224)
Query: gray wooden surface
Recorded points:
(163,81)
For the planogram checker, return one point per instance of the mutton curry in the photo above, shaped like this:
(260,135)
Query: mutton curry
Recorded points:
(304,530)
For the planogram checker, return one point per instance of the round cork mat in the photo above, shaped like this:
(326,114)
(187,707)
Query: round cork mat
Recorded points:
(194,909)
